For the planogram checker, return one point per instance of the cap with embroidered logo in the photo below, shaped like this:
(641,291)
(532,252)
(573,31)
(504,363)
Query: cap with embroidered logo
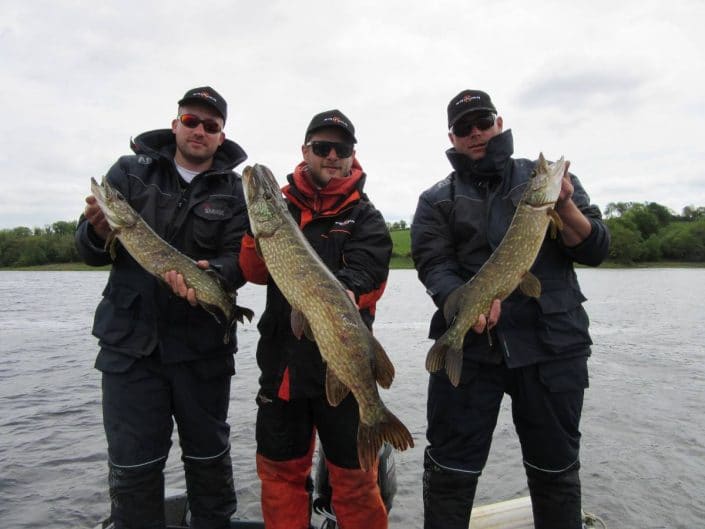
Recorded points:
(331,118)
(205,95)
(468,101)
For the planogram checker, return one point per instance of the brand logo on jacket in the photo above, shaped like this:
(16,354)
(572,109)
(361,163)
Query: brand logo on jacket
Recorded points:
(144,160)
(208,209)
(344,222)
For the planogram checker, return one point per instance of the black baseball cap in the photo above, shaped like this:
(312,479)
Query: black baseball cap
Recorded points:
(468,101)
(331,118)
(205,95)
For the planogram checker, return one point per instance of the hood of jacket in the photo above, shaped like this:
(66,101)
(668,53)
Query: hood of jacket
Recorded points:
(161,144)
(490,168)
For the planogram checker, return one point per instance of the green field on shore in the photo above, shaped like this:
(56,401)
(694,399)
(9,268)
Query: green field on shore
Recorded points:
(401,259)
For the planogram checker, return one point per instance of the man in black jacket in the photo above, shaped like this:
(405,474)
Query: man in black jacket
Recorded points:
(162,356)
(539,347)
(325,196)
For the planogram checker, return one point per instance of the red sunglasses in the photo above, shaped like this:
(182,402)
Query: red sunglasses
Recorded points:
(191,121)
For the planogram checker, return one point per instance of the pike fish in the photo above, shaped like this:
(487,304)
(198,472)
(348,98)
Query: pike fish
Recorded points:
(506,269)
(322,310)
(157,256)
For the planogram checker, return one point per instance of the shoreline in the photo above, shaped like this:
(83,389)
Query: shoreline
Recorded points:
(397,263)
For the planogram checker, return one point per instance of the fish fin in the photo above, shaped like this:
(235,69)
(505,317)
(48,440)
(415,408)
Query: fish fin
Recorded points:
(258,250)
(436,357)
(371,437)
(454,364)
(556,222)
(530,285)
(111,244)
(452,305)
(383,367)
(336,391)
(240,313)
(300,326)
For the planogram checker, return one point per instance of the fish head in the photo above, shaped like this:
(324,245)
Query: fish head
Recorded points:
(116,209)
(265,203)
(544,184)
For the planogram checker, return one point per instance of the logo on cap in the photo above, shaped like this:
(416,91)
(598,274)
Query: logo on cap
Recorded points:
(337,121)
(467,99)
(204,95)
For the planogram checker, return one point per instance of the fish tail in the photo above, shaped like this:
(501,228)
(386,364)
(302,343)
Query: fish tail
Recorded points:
(371,437)
(436,357)
(445,352)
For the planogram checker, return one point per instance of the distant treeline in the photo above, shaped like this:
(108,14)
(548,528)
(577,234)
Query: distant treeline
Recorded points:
(641,232)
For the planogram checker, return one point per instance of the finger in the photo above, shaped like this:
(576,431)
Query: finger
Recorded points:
(181,285)
(567,166)
(191,297)
(495,311)
(202,264)
(479,327)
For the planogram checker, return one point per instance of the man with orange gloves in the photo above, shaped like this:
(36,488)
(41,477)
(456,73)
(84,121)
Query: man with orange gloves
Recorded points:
(325,196)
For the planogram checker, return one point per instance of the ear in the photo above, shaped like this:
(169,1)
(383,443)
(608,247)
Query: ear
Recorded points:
(222,138)
(450,137)
(174,123)
(500,123)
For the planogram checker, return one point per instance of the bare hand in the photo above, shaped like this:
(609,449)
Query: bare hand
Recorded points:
(566,187)
(95,216)
(176,281)
(488,322)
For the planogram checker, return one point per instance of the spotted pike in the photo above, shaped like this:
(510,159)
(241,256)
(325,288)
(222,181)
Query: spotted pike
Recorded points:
(322,310)
(157,256)
(505,270)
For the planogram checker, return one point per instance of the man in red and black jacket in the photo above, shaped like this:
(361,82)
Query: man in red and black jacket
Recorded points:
(325,196)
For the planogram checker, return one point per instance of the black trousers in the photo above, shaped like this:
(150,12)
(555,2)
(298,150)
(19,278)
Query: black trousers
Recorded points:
(285,428)
(139,409)
(547,402)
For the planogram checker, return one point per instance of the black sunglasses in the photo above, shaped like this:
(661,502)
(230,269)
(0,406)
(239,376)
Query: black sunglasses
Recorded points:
(322,148)
(191,121)
(464,128)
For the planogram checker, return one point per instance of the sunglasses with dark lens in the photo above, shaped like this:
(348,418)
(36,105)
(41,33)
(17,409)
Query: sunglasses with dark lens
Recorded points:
(322,148)
(464,128)
(191,121)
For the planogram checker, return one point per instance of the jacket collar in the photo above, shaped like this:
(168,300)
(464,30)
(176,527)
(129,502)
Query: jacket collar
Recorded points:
(489,168)
(160,144)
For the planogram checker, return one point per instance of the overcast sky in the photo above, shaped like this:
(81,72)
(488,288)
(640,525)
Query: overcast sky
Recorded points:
(616,87)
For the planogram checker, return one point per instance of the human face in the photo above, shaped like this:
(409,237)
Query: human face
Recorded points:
(323,168)
(195,147)
(474,145)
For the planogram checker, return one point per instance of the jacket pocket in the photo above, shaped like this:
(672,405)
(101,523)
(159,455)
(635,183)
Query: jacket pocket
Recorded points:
(562,324)
(119,323)
(209,217)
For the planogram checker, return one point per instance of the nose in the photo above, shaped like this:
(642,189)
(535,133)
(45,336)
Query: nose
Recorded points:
(332,154)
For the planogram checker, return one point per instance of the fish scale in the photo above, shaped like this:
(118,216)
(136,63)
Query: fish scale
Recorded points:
(505,270)
(157,256)
(355,361)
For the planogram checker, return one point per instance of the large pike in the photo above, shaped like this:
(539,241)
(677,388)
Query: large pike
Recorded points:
(321,309)
(505,270)
(157,256)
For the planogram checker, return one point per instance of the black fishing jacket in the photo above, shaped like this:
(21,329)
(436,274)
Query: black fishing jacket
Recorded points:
(204,220)
(457,225)
(352,239)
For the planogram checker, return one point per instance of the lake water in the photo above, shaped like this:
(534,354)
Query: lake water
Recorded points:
(643,450)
